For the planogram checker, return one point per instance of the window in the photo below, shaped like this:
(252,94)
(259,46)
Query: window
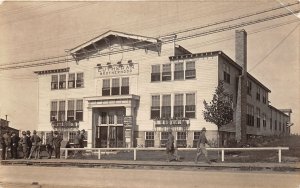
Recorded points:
(79,110)
(106,87)
(54,82)
(181,139)
(61,110)
(103,118)
(264,96)
(264,120)
(275,125)
(178,106)
(62,81)
(115,88)
(190,71)
(155,74)
(258,94)
(72,135)
(190,107)
(53,111)
(71,81)
(166,74)
(71,110)
(196,138)
(258,117)
(250,115)
(149,140)
(226,73)
(179,72)
(79,80)
(155,108)
(166,106)
(125,86)
(163,139)
(249,88)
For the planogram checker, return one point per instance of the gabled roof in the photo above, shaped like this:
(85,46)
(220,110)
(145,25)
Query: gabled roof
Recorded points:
(114,33)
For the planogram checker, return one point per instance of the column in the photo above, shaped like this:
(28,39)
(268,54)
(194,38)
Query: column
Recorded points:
(90,123)
(128,127)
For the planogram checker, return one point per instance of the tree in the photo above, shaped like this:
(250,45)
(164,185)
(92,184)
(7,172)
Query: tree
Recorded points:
(219,111)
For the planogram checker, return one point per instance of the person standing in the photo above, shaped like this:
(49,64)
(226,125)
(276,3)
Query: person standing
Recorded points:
(170,146)
(7,141)
(57,143)
(77,142)
(24,144)
(49,144)
(201,148)
(14,145)
(82,138)
(35,140)
(29,143)
(3,146)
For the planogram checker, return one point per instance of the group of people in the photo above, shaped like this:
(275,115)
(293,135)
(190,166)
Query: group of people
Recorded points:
(201,147)
(30,145)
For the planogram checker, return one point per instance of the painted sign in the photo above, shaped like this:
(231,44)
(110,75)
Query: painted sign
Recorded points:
(127,121)
(117,70)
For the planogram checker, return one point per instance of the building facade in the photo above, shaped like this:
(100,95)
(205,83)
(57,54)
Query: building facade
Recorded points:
(128,90)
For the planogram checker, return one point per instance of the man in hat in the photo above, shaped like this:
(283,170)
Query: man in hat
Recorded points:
(24,144)
(7,141)
(57,143)
(49,144)
(35,140)
(170,145)
(14,145)
(201,148)
(29,143)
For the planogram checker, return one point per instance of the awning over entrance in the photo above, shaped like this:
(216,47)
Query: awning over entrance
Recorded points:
(113,101)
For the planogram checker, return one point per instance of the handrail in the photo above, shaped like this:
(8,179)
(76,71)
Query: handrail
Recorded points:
(179,149)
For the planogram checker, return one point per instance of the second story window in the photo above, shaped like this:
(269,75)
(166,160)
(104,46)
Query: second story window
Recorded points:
(155,74)
(155,107)
(115,88)
(53,111)
(190,71)
(125,86)
(71,110)
(166,106)
(62,81)
(226,73)
(258,93)
(61,110)
(79,110)
(249,88)
(106,87)
(54,82)
(79,80)
(166,73)
(178,106)
(179,72)
(190,107)
(71,81)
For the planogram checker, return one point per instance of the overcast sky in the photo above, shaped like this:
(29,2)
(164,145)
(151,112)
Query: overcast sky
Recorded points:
(33,30)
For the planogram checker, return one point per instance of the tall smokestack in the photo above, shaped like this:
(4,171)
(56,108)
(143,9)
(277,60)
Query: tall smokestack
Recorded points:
(241,108)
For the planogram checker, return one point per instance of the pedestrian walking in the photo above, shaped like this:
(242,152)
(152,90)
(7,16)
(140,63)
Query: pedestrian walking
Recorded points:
(14,145)
(57,143)
(170,146)
(201,147)
(24,144)
(29,143)
(7,141)
(49,144)
(35,141)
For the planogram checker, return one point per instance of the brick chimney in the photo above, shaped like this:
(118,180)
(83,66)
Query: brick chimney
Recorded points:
(241,108)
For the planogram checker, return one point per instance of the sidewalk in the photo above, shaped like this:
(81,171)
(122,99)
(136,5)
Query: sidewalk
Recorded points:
(259,166)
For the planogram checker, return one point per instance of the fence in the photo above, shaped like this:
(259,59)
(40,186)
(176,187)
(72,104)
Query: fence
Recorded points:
(99,150)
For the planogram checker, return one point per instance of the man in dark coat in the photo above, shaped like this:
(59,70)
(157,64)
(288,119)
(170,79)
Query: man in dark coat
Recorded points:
(3,147)
(57,143)
(201,148)
(29,144)
(24,144)
(7,141)
(14,145)
(170,146)
(49,144)
(35,140)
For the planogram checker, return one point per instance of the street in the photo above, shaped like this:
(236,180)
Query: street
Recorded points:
(23,176)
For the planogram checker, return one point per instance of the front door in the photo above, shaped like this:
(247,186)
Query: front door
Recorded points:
(109,130)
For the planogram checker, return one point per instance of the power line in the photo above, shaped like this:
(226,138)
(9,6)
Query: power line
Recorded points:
(213,31)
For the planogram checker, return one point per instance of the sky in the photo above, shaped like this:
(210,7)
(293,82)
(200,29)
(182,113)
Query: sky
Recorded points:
(41,29)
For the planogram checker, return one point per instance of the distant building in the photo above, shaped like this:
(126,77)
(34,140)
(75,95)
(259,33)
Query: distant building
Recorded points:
(132,98)
(4,127)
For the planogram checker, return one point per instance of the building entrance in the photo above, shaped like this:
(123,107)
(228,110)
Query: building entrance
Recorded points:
(109,128)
